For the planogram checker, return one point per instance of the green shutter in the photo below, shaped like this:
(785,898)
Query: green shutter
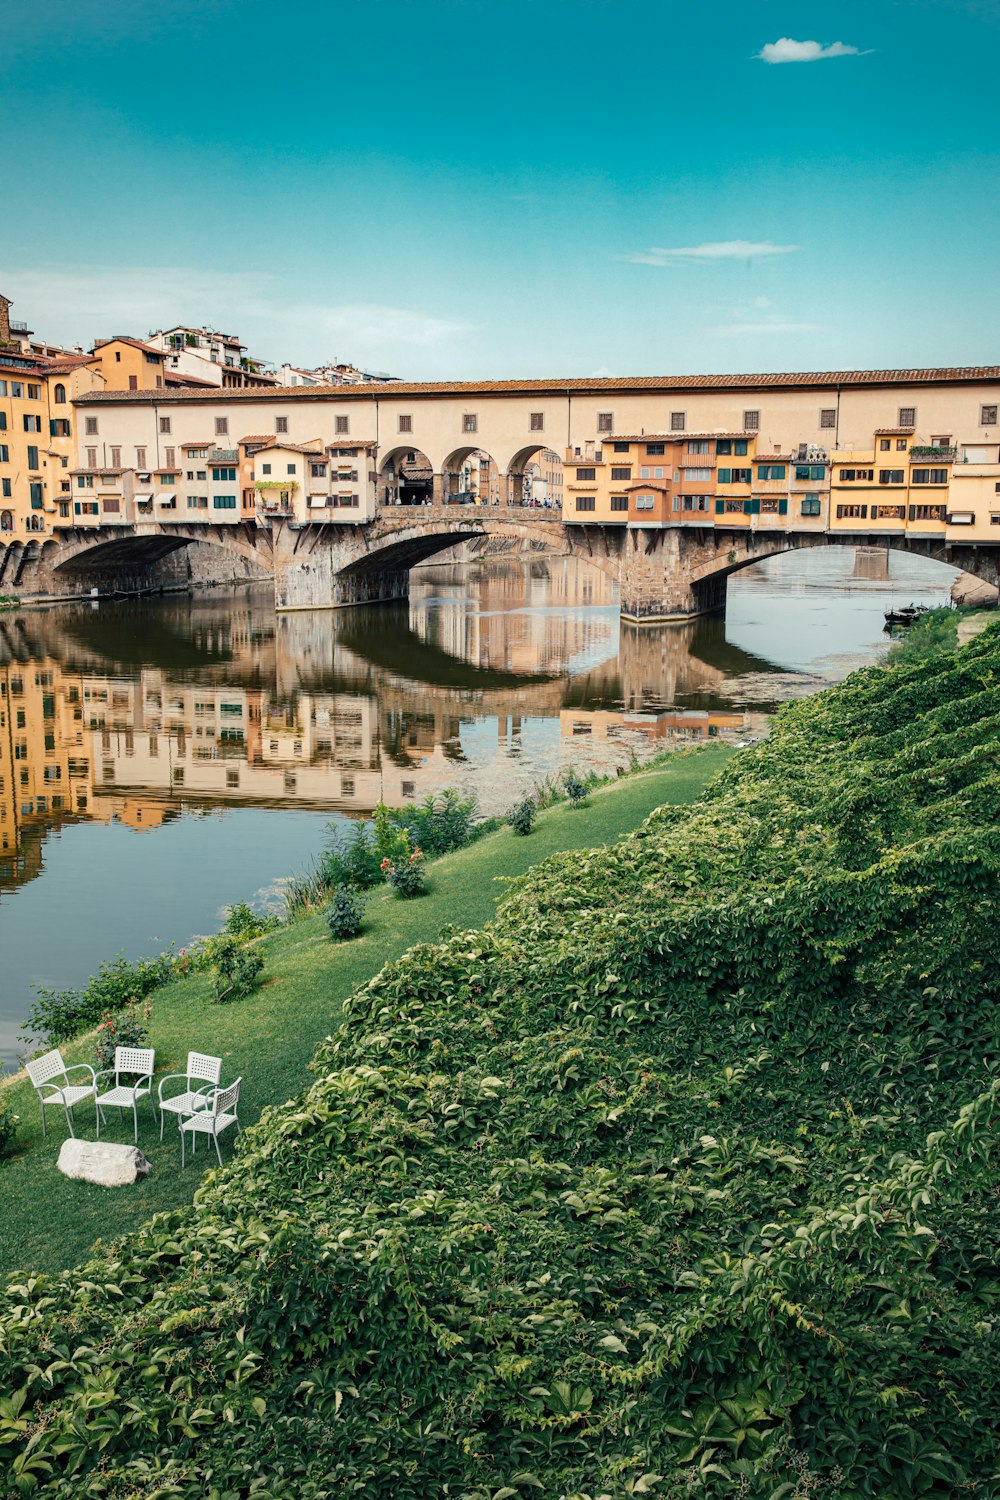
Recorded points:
(720,507)
(740,445)
(782,507)
(724,476)
(751,507)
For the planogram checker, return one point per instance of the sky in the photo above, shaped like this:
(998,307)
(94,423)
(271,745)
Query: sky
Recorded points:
(461,189)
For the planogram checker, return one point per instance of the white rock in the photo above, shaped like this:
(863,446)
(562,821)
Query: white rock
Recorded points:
(103,1162)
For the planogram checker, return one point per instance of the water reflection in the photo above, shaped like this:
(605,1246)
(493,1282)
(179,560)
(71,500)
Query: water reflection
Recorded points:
(185,716)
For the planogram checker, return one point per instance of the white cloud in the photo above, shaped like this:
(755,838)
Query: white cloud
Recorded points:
(732,330)
(79,306)
(785,50)
(711,250)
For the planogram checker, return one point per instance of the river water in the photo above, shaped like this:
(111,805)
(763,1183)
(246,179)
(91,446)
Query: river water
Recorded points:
(160,759)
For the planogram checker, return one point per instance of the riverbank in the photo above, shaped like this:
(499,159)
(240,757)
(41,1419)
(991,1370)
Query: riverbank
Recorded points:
(269,1039)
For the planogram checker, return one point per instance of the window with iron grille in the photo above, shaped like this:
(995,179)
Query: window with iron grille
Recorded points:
(751,421)
(537,421)
(907,416)
(828,416)
(605,421)
(406,424)
(678,421)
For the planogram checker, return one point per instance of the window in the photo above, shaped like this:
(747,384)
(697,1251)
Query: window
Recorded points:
(341,425)
(470,423)
(620,447)
(810,471)
(619,502)
(901,445)
(4,454)
(265,468)
(851,476)
(35,494)
(34,393)
(168,458)
(91,426)
(291,469)
(116,458)
(3,414)
(197,502)
(59,395)
(929,476)
(734,476)
(852,512)
(605,421)
(926,512)
(224,502)
(699,445)
(164,424)
(751,421)
(828,416)
(317,471)
(536,421)
(281,424)
(907,416)
(653,449)
(891,476)
(697,476)
(221,426)
(987,416)
(133,382)
(406,424)
(32,456)
(644,502)
(224,475)
(888,513)
(621,473)
(585,502)
(884,445)
(770,471)
(724,446)
(810,505)
(16,388)
(697,502)
(32,424)
(5,491)
(586,475)
(678,421)
(740,446)
(85,481)
(91,458)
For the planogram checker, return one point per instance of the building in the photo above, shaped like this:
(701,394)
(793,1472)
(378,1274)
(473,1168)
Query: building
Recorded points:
(201,356)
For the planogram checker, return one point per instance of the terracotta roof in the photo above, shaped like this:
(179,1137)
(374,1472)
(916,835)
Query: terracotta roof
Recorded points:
(65,364)
(314,452)
(122,338)
(894,431)
(821,379)
(173,377)
(257,437)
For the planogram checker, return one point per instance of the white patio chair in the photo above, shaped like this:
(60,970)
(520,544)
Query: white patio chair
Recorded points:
(130,1062)
(200,1069)
(44,1073)
(219,1112)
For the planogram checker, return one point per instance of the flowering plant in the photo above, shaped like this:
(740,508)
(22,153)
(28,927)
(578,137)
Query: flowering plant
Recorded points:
(405,873)
(121,1028)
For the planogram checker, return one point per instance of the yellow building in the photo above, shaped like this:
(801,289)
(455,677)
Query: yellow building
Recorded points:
(128,364)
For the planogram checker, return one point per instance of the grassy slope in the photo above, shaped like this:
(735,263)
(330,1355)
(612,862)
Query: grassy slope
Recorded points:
(49,1222)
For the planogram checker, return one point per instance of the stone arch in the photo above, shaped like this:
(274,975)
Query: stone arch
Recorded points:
(405,477)
(518,469)
(471,476)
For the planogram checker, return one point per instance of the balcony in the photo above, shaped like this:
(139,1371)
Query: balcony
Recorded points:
(942,454)
(223,455)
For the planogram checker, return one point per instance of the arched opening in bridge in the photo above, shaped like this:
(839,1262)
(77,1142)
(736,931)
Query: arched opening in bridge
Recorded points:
(405,477)
(471,476)
(534,478)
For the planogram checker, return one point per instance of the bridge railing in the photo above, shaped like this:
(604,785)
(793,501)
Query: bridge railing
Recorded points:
(465,512)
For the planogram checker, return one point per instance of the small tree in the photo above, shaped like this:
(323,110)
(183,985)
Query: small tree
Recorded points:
(345,914)
(522,816)
(235,970)
(575,789)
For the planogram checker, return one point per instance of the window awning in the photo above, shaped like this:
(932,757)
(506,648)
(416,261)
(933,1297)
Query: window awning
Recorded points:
(166,497)
(318,502)
(143,495)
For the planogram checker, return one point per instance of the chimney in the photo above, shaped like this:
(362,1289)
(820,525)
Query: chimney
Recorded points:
(4,319)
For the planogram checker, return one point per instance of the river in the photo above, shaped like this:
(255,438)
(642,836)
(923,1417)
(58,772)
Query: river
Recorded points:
(160,759)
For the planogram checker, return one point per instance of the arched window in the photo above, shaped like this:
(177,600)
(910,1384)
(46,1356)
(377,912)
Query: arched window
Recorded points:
(6,521)
(59,395)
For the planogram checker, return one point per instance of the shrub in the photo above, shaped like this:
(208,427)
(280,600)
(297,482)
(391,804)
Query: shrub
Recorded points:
(522,816)
(352,861)
(123,1028)
(345,915)
(235,969)
(576,790)
(406,874)
(9,1123)
(245,924)
(59,1015)
(440,823)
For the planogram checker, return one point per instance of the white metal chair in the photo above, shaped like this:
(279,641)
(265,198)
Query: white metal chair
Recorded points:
(200,1069)
(216,1115)
(130,1062)
(44,1073)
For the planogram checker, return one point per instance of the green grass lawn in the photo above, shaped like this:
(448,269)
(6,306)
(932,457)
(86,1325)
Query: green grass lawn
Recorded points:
(48,1222)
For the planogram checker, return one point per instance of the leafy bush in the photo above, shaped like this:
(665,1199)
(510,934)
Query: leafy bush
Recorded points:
(406,873)
(9,1123)
(345,914)
(245,924)
(576,790)
(59,1015)
(931,633)
(679,1178)
(235,969)
(128,1027)
(353,861)
(440,823)
(522,816)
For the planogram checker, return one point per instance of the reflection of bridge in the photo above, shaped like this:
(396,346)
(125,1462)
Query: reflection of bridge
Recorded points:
(664,571)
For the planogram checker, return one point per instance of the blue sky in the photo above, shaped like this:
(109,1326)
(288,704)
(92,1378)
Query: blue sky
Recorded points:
(463,188)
